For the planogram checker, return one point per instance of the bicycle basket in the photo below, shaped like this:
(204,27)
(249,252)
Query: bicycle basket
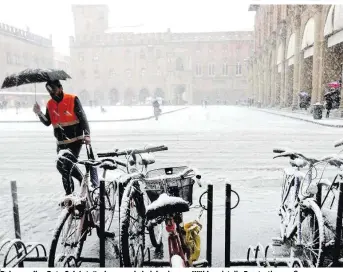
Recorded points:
(176,186)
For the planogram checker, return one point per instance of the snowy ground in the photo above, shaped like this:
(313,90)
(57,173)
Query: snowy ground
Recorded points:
(226,143)
(93,114)
(333,120)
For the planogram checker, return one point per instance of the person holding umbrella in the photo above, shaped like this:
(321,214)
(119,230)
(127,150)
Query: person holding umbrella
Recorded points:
(71,129)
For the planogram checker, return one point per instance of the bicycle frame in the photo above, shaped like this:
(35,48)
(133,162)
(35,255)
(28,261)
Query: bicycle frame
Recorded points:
(175,245)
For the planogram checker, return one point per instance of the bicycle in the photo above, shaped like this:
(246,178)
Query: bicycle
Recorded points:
(302,208)
(131,197)
(81,212)
(174,191)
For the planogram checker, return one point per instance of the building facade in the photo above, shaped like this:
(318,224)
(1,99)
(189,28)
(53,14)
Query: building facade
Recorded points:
(297,48)
(127,67)
(22,49)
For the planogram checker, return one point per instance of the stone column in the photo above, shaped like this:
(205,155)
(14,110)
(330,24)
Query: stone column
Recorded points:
(297,48)
(282,38)
(273,71)
(318,32)
(260,80)
(266,78)
(283,80)
(256,84)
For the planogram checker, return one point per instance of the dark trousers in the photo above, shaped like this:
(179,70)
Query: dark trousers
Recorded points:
(66,165)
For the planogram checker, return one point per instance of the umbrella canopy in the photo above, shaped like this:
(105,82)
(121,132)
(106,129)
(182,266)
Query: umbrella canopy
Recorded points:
(34,76)
(334,84)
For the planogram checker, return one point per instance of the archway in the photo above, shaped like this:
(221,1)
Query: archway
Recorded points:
(289,71)
(279,63)
(333,57)
(84,97)
(128,97)
(113,97)
(307,42)
(178,94)
(159,93)
(143,95)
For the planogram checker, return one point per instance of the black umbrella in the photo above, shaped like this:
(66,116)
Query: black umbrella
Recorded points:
(34,76)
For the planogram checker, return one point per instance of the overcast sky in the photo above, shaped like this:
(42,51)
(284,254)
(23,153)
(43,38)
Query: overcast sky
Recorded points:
(46,17)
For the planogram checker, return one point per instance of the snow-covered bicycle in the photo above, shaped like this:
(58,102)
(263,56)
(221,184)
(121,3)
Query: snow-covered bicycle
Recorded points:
(80,213)
(302,221)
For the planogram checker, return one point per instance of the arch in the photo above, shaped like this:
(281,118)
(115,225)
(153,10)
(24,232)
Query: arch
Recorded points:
(143,94)
(328,27)
(113,96)
(291,46)
(159,93)
(179,94)
(334,25)
(280,55)
(84,97)
(308,35)
(128,96)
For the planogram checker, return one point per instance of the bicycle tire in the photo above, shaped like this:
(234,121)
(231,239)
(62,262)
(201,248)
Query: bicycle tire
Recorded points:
(132,192)
(177,262)
(313,210)
(110,215)
(156,235)
(52,252)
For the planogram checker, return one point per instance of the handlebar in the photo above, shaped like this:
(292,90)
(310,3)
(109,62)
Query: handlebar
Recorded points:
(339,143)
(197,175)
(118,153)
(293,155)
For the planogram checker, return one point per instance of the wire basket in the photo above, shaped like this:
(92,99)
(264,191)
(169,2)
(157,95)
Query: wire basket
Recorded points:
(175,185)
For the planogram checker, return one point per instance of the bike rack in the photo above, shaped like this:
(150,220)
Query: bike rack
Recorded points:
(200,263)
(274,261)
(16,252)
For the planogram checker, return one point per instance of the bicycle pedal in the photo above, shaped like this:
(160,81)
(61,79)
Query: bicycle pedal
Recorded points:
(277,241)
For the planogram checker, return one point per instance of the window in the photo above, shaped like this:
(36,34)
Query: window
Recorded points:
(83,73)
(225,48)
(158,71)
(238,69)
(142,72)
(158,53)
(112,72)
(96,73)
(96,57)
(128,73)
(142,54)
(210,48)
(198,70)
(225,69)
(211,71)
(9,58)
(81,57)
(179,65)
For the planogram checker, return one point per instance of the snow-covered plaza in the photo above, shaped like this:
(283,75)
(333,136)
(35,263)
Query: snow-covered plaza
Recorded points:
(226,143)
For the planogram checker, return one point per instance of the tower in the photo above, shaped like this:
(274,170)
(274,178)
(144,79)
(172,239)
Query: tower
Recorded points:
(90,19)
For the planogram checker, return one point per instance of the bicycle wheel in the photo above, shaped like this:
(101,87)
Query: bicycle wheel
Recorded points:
(176,261)
(312,233)
(68,239)
(110,205)
(155,234)
(132,225)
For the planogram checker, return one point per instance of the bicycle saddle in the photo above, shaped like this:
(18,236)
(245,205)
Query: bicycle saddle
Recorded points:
(108,164)
(166,205)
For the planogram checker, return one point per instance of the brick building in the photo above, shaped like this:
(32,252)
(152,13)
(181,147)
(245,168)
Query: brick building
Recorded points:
(128,67)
